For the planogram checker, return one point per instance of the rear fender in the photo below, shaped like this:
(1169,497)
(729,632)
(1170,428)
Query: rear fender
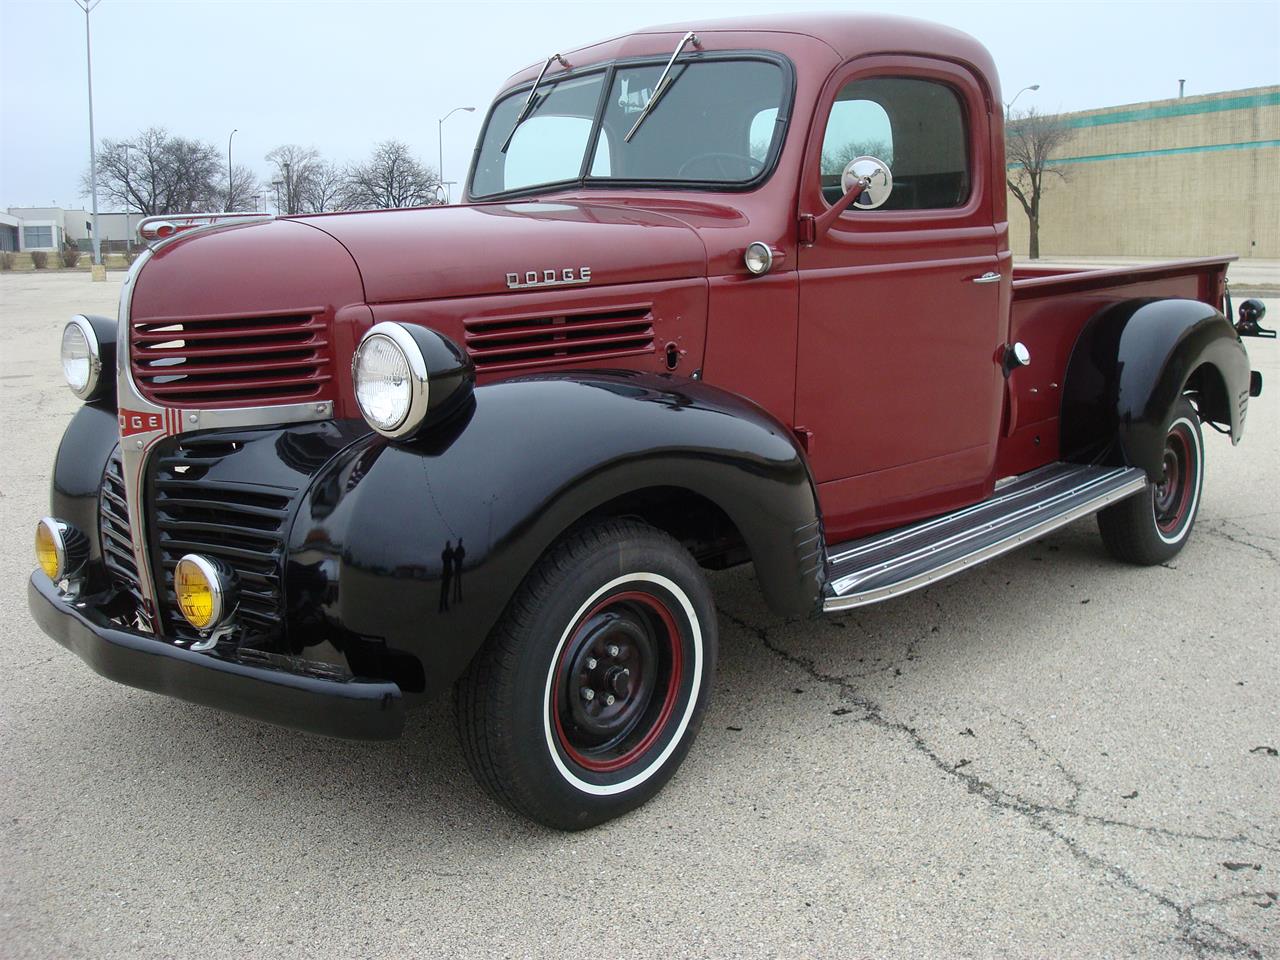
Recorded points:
(1130,365)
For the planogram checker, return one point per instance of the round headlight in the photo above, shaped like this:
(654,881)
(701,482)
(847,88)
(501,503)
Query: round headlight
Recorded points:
(758,258)
(81,360)
(390,375)
(200,591)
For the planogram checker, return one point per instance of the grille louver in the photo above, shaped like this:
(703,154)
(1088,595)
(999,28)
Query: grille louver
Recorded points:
(232,361)
(505,344)
(242,524)
(113,526)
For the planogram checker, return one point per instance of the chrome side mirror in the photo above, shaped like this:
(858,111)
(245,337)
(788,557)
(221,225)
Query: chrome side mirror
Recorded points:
(873,176)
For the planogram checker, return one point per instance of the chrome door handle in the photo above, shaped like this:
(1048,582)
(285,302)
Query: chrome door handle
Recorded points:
(988,277)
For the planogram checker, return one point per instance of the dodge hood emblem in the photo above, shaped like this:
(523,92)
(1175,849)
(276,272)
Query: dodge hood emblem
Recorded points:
(564,277)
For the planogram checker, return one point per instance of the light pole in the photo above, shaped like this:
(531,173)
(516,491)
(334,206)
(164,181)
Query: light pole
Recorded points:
(276,184)
(1008,107)
(440,141)
(128,165)
(229,184)
(288,190)
(87,6)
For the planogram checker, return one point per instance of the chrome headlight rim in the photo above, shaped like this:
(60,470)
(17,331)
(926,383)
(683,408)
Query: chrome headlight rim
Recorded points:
(758,258)
(94,380)
(419,381)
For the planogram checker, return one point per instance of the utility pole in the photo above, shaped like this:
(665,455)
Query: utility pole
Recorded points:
(229,184)
(87,6)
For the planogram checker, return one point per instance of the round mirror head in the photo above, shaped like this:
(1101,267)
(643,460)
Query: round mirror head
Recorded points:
(876,180)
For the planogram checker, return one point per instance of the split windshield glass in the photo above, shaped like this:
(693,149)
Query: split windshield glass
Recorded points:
(719,122)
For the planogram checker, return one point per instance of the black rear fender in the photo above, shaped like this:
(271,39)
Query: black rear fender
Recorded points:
(1130,365)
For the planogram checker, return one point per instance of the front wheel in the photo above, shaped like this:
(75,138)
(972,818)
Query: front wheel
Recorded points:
(1152,526)
(592,686)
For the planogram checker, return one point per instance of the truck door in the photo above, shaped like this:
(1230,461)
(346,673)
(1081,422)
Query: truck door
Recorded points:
(898,376)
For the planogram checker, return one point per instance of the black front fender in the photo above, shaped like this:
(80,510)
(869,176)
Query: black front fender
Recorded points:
(375,547)
(1130,365)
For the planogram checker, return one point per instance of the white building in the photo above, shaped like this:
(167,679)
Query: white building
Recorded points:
(23,229)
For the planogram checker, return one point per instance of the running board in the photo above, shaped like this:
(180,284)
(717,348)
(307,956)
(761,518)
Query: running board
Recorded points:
(898,561)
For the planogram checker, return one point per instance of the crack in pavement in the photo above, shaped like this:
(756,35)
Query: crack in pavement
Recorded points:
(1203,937)
(1242,539)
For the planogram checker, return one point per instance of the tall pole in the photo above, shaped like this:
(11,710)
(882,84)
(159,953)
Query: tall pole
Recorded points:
(440,141)
(87,7)
(229,185)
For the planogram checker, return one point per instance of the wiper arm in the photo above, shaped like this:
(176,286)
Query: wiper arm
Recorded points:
(527,109)
(662,84)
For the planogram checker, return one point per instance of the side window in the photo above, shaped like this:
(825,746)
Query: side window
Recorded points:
(915,126)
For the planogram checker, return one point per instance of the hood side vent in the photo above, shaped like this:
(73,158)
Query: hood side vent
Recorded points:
(501,344)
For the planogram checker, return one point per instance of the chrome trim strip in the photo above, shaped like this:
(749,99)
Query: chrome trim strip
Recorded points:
(1134,485)
(143,424)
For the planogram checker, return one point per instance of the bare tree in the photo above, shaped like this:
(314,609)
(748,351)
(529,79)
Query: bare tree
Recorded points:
(1031,140)
(837,158)
(392,177)
(157,173)
(324,188)
(242,193)
(294,169)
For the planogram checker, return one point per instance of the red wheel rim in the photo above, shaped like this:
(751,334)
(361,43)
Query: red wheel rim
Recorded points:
(617,681)
(1173,495)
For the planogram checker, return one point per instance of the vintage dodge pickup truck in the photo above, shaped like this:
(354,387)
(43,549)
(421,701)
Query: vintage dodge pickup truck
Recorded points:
(718,293)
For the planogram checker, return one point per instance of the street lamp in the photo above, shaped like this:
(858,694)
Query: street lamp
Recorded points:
(288,190)
(1008,107)
(87,6)
(276,184)
(229,184)
(440,141)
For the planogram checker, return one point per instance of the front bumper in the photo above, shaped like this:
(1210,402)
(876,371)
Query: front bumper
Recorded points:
(353,709)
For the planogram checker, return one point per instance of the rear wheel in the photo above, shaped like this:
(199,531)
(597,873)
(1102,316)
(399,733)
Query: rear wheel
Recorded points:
(1152,526)
(592,686)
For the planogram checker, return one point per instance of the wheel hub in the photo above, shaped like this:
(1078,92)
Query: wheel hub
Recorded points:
(610,677)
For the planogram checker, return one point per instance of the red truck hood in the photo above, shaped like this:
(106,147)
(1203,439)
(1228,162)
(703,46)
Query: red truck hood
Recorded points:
(441,252)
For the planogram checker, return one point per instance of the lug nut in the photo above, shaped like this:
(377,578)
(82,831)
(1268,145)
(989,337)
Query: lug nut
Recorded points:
(609,700)
(588,693)
(591,663)
(613,650)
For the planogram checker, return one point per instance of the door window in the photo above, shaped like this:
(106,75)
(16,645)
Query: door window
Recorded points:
(915,126)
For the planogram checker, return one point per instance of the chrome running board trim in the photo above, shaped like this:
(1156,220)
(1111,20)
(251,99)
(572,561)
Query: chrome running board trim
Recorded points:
(909,558)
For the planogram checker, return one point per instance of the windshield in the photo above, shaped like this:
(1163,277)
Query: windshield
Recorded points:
(719,122)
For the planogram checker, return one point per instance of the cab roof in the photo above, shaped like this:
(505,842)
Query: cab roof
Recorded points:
(844,35)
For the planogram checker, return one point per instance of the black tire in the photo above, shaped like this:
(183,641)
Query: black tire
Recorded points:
(619,612)
(1152,526)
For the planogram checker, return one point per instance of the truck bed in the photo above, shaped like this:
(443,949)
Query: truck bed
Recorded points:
(1050,306)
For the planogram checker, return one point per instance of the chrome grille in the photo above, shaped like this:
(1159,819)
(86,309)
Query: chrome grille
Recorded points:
(113,526)
(240,523)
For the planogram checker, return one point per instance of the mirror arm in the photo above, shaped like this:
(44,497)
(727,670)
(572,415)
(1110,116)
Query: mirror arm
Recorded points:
(823,222)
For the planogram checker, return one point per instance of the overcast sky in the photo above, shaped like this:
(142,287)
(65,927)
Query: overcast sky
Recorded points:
(341,76)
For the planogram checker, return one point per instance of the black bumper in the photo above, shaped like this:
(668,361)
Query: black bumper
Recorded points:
(355,709)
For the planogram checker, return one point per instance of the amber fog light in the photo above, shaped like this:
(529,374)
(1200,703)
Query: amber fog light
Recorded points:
(202,591)
(51,551)
(61,549)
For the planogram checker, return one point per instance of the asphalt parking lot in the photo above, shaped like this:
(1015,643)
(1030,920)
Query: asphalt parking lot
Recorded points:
(1051,756)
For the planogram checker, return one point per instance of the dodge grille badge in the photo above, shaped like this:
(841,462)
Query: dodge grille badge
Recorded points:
(566,277)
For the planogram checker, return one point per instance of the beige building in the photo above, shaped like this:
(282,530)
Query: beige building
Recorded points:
(1195,176)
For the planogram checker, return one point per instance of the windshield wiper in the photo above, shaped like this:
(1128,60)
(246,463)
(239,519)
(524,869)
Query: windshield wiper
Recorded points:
(662,84)
(527,109)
